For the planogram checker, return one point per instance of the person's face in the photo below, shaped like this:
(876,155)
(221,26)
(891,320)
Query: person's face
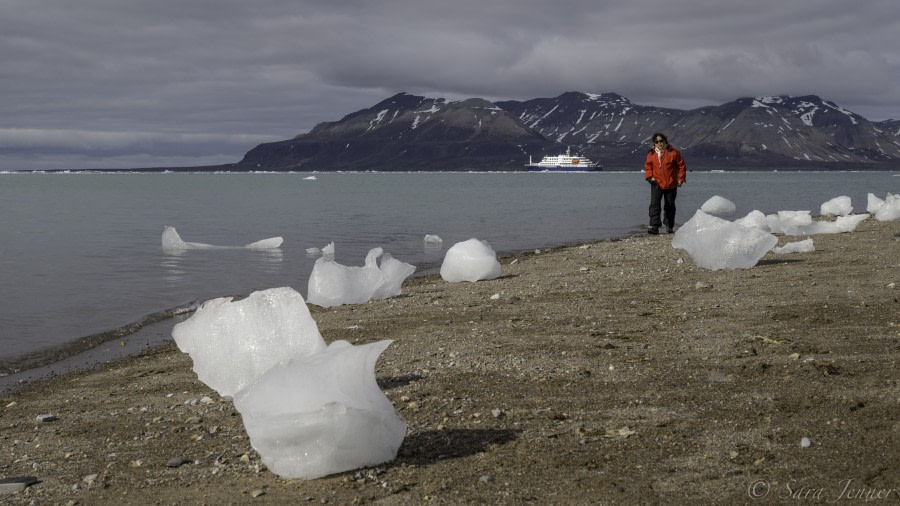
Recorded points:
(659,142)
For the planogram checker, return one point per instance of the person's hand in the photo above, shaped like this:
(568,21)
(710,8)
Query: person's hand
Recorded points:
(651,180)
(681,183)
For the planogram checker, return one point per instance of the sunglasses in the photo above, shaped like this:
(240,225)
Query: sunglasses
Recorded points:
(659,141)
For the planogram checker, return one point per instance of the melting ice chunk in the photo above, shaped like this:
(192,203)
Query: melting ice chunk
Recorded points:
(332,284)
(838,206)
(714,243)
(889,210)
(719,206)
(322,414)
(788,222)
(873,203)
(433,239)
(234,343)
(795,247)
(171,241)
(754,219)
(470,260)
(840,225)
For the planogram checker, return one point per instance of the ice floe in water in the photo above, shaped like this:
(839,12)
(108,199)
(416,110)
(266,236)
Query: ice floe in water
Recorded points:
(433,239)
(714,243)
(234,343)
(332,284)
(805,246)
(171,241)
(471,260)
(719,206)
(322,414)
(310,409)
(839,206)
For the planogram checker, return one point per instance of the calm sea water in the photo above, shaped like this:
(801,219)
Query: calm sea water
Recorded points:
(81,253)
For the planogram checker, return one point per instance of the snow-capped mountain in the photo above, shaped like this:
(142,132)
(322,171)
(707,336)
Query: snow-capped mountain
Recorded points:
(407,132)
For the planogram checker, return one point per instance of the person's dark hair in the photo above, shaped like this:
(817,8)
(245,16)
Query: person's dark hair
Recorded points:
(658,135)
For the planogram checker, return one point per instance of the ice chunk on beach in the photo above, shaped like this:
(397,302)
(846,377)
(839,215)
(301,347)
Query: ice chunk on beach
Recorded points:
(873,203)
(333,284)
(719,206)
(841,225)
(470,260)
(322,414)
(171,241)
(838,206)
(714,243)
(795,247)
(889,210)
(788,222)
(232,343)
(755,219)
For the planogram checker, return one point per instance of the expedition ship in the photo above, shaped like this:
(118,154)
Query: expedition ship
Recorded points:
(565,163)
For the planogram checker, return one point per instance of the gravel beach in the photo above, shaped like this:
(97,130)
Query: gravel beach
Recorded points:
(614,372)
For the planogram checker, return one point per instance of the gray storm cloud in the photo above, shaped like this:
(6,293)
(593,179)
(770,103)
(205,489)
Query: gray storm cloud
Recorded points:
(137,80)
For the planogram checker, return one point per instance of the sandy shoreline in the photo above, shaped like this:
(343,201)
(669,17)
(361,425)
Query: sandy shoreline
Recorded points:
(605,373)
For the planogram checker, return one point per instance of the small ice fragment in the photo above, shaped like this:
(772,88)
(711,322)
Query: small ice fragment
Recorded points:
(804,442)
(433,239)
(270,243)
(310,178)
(328,251)
(46,418)
(313,251)
(496,296)
(795,247)
(719,206)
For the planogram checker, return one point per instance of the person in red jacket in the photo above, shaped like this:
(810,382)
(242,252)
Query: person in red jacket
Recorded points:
(665,170)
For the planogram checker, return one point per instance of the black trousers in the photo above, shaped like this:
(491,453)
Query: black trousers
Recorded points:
(667,198)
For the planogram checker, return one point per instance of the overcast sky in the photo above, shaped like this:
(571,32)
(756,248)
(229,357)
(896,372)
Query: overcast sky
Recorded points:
(128,83)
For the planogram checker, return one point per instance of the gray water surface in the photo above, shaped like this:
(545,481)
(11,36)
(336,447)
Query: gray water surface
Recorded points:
(81,253)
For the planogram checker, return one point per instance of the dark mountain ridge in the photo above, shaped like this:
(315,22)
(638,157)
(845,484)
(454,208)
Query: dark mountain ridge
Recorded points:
(411,133)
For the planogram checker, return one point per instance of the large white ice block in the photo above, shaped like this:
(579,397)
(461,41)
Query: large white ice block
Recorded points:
(332,284)
(714,243)
(839,206)
(719,206)
(171,241)
(234,343)
(322,414)
(470,260)
(873,203)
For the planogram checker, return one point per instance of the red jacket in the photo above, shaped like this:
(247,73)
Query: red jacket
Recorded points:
(669,172)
